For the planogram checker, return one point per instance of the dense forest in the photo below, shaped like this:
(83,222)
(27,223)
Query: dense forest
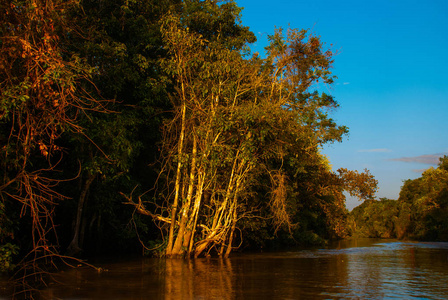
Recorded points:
(420,213)
(143,126)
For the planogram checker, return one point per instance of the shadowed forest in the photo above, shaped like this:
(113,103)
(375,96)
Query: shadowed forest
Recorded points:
(149,127)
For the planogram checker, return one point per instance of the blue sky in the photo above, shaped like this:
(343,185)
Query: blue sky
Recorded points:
(392,85)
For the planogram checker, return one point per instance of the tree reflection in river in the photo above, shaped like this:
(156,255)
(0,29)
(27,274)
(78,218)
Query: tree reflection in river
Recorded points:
(198,279)
(366,269)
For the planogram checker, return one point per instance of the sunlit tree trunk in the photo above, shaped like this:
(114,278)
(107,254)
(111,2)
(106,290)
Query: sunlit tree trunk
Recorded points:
(232,231)
(185,210)
(193,219)
(169,249)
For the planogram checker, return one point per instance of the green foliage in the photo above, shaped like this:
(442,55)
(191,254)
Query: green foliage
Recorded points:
(7,253)
(309,238)
(376,219)
(420,212)
(426,200)
(258,125)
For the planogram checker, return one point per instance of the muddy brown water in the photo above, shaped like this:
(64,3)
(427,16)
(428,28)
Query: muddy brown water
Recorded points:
(356,269)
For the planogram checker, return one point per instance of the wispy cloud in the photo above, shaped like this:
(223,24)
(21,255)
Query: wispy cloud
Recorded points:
(375,150)
(345,83)
(429,159)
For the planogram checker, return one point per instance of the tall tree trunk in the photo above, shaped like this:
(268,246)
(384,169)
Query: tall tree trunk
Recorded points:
(232,230)
(74,248)
(169,247)
(191,226)
(185,212)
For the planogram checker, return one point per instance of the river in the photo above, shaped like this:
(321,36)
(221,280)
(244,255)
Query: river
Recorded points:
(355,269)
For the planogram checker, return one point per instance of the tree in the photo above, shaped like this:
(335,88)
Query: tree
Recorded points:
(121,41)
(426,200)
(43,92)
(419,213)
(203,102)
(235,119)
(376,219)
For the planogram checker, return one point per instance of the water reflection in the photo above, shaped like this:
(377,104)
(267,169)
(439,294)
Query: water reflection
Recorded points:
(198,279)
(349,270)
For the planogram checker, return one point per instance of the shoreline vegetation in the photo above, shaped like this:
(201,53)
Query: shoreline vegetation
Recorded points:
(149,127)
(420,213)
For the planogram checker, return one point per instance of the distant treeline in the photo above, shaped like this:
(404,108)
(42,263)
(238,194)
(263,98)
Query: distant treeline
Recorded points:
(420,213)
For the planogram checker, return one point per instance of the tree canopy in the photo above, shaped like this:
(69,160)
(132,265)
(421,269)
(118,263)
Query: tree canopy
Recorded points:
(419,213)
